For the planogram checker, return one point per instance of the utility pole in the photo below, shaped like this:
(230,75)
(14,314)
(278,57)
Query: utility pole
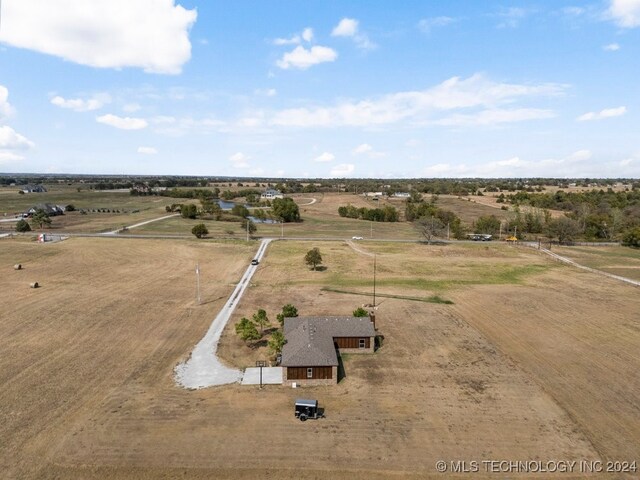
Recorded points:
(281,228)
(500,234)
(447,231)
(198,282)
(247,220)
(374,280)
(371,228)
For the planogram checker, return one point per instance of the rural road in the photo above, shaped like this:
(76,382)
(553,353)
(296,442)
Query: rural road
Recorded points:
(203,368)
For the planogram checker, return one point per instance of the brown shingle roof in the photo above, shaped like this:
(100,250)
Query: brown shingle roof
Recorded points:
(310,339)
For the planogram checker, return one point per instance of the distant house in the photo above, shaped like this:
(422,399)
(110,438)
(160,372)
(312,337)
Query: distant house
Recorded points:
(33,189)
(140,188)
(270,194)
(48,208)
(402,194)
(310,356)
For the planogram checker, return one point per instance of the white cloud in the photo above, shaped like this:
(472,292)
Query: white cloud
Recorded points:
(363,148)
(239,160)
(496,116)
(342,170)
(256,171)
(287,41)
(368,150)
(602,114)
(268,92)
(148,34)
(475,92)
(80,105)
(9,157)
(573,11)
(12,140)
(349,27)
(325,157)
(147,150)
(5,108)
(426,24)
(346,28)
(307,34)
(123,123)
(131,107)
(612,47)
(626,162)
(626,13)
(169,125)
(511,17)
(302,58)
(574,165)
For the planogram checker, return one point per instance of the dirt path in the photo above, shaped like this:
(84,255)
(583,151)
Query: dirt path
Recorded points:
(114,232)
(589,269)
(359,250)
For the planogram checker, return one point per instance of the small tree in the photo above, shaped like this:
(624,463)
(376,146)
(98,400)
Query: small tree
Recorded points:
(632,238)
(247,330)
(188,210)
(288,311)
(429,227)
(70,208)
(252,226)
(200,230)
(360,312)
(313,257)
(261,319)
(564,228)
(23,226)
(277,342)
(40,218)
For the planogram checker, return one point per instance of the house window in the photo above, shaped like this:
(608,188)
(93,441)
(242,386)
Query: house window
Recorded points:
(361,343)
(309,372)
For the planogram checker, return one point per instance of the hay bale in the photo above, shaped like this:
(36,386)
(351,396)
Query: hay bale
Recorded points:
(17,266)
(34,285)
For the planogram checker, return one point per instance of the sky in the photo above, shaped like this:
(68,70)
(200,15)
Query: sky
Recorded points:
(321,88)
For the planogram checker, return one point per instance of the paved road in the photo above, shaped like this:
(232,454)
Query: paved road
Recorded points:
(203,368)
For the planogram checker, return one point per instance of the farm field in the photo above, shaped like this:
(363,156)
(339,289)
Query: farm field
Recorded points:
(93,222)
(621,261)
(88,359)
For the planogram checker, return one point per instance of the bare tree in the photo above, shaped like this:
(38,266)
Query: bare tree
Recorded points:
(429,227)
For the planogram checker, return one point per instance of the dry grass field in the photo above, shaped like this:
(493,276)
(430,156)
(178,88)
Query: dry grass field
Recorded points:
(534,360)
(621,261)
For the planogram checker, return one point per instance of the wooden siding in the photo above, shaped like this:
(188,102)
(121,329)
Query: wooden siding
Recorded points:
(300,373)
(351,342)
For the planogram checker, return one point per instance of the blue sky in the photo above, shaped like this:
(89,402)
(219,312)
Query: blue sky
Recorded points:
(321,88)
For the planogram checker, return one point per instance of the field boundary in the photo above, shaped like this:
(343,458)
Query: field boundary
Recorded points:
(431,299)
(568,261)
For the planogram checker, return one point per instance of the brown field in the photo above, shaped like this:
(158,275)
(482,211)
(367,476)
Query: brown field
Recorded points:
(623,261)
(535,360)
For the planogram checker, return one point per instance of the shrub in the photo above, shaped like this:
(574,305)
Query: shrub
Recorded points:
(23,226)
(200,230)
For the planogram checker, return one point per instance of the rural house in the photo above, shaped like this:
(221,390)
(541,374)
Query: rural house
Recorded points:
(33,189)
(270,194)
(310,356)
(48,208)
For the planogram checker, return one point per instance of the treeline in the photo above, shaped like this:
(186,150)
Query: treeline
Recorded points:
(384,214)
(596,214)
(433,220)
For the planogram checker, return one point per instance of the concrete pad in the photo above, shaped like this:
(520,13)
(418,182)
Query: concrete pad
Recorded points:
(270,376)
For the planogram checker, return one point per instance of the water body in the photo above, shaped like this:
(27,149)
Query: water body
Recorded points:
(266,220)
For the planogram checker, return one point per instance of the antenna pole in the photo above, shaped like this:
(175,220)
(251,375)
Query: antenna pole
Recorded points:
(198,281)
(374,280)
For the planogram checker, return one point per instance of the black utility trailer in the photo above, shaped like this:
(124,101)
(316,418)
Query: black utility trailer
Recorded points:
(308,409)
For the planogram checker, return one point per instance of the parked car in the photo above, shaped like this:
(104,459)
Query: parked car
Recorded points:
(357,238)
(255,261)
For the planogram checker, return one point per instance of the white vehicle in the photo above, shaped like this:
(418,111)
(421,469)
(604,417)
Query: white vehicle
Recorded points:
(357,238)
